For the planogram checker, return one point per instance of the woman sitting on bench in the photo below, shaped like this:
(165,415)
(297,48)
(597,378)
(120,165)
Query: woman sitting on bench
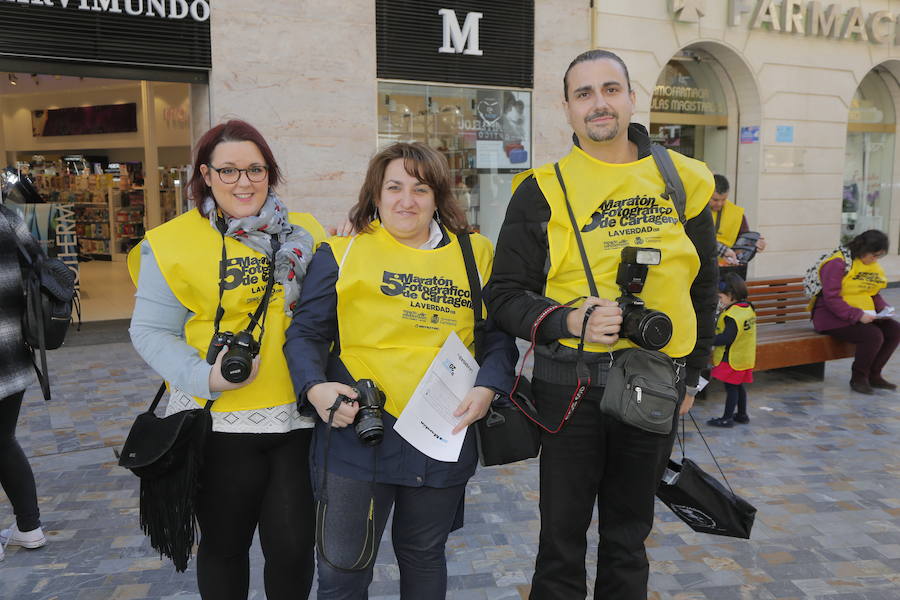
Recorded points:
(851,309)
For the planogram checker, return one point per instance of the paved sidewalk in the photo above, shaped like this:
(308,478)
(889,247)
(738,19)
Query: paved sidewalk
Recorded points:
(819,462)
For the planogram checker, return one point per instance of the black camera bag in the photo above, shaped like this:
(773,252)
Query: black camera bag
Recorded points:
(166,453)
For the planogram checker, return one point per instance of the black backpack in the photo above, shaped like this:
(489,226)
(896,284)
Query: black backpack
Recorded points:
(49,287)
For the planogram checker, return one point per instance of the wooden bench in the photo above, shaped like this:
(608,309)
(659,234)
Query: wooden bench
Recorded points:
(785,336)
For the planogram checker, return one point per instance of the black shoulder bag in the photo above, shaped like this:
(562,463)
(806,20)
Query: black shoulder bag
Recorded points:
(505,435)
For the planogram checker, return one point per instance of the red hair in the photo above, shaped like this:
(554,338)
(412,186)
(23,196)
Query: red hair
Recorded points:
(230,131)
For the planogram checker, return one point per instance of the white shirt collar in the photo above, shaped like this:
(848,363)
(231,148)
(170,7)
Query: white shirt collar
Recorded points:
(435,236)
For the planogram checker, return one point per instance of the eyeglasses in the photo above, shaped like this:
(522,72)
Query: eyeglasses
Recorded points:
(233,174)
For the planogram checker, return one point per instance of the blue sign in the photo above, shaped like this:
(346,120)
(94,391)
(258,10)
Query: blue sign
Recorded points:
(750,135)
(784,134)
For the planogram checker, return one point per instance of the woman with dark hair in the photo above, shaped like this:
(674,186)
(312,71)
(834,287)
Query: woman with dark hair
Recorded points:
(379,305)
(16,476)
(849,306)
(224,275)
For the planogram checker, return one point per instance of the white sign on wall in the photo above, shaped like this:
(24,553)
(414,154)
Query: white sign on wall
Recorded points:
(460,40)
(198,10)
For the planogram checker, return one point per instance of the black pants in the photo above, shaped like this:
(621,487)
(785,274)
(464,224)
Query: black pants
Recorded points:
(16,476)
(735,399)
(875,343)
(594,459)
(423,519)
(248,480)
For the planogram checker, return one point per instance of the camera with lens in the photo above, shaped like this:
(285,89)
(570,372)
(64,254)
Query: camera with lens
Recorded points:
(238,360)
(648,328)
(368,424)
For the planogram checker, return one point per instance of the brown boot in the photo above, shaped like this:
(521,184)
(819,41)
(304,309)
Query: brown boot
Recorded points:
(861,386)
(877,381)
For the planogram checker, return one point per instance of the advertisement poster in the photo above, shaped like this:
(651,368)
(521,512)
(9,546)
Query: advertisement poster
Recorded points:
(504,130)
(53,226)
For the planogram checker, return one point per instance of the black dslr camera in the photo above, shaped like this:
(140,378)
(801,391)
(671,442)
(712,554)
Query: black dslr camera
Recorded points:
(368,424)
(648,328)
(238,361)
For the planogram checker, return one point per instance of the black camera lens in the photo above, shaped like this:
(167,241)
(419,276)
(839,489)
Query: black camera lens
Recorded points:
(368,424)
(648,328)
(237,363)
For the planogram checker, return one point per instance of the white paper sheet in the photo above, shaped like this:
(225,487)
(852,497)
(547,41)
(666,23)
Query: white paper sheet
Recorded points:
(702,383)
(887,311)
(427,421)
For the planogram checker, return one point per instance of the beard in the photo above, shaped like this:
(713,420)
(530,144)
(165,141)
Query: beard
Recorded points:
(607,133)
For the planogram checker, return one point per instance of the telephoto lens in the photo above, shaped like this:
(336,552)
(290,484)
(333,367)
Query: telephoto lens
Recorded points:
(238,361)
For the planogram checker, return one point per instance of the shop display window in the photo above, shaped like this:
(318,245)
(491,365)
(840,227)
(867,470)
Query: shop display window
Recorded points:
(485,133)
(869,159)
(688,111)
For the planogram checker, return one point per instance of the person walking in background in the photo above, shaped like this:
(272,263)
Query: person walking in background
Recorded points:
(16,476)
(198,276)
(734,353)
(850,308)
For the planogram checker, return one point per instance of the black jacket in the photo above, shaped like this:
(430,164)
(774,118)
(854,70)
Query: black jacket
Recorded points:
(515,293)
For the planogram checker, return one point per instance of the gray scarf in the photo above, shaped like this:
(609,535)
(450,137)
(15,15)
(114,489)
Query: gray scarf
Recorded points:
(296,249)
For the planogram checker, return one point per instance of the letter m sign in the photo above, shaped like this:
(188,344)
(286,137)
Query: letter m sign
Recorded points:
(460,41)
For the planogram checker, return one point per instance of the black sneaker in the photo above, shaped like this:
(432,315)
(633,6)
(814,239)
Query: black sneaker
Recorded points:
(721,422)
(861,387)
(742,419)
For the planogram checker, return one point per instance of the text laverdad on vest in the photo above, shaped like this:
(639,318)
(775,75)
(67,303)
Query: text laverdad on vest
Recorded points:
(648,328)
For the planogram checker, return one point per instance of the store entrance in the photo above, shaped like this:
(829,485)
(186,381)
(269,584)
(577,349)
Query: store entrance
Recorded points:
(91,163)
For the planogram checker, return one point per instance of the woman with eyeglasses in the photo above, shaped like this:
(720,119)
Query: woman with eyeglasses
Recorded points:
(215,291)
(851,309)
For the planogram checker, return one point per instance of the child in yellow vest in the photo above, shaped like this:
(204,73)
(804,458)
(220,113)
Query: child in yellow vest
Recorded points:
(734,354)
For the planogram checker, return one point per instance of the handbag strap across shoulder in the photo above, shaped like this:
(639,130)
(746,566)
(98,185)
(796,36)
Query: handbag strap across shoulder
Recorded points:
(159,394)
(465,244)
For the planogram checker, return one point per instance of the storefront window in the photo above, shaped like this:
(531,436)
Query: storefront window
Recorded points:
(485,133)
(869,159)
(688,112)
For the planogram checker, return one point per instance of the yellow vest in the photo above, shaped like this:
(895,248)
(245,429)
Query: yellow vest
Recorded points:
(188,250)
(729,220)
(397,305)
(622,205)
(861,283)
(742,352)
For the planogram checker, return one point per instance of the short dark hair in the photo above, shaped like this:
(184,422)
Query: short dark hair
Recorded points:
(230,131)
(734,286)
(594,55)
(722,185)
(872,241)
(421,161)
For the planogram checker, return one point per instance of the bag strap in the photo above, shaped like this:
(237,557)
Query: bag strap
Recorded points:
(33,289)
(674,186)
(592,285)
(465,244)
(708,449)
(159,394)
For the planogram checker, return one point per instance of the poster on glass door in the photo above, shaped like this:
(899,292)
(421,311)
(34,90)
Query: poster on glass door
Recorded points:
(504,129)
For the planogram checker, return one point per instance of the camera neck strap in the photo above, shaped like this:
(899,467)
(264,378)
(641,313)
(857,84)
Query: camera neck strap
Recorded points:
(258,317)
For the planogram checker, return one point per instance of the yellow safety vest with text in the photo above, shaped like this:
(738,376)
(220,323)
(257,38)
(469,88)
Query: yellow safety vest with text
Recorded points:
(397,305)
(861,283)
(619,205)
(728,223)
(742,352)
(188,250)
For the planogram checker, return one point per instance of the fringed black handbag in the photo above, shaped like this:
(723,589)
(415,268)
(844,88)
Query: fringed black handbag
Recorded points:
(167,454)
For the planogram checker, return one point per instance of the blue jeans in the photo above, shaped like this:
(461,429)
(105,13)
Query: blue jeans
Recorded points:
(423,519)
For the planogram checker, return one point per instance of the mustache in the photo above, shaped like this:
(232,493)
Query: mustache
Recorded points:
(601,113)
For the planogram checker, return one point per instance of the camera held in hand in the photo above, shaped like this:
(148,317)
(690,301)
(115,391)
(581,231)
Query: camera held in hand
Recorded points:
(237,364)
(648,328)
(368,424)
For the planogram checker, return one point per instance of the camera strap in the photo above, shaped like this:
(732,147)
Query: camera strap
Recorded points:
(258,317)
